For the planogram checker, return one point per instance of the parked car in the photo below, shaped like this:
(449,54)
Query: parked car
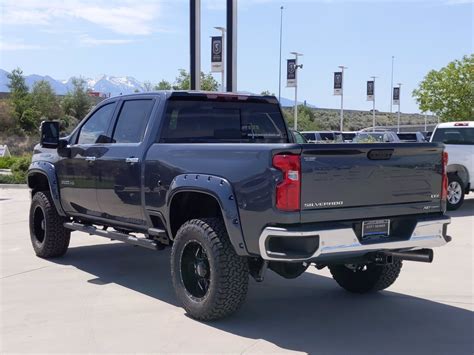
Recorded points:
(376,137)
(298,137)
(458,138)
(217,178)
(348,136)
(319,136)
(411,137)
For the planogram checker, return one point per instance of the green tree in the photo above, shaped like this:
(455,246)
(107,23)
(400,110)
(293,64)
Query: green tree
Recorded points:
(77,102)
(267,93)
(306,119)
(19,97)
(163,85)
(183,81)
(45,101)
(449,92)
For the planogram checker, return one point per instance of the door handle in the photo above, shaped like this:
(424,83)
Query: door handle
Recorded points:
(132,160)
(90,159)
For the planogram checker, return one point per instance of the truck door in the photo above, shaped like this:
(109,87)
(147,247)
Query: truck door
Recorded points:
(119,168)
(77,173)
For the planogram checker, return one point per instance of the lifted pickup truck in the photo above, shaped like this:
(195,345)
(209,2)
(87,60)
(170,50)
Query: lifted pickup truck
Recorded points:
(220,180)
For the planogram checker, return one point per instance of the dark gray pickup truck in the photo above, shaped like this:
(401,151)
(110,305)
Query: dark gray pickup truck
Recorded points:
(220,180)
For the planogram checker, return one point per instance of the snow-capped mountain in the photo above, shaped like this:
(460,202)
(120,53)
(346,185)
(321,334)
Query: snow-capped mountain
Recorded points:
(107,84)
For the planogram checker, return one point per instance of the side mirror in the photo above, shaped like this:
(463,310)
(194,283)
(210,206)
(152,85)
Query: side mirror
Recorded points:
(49,134)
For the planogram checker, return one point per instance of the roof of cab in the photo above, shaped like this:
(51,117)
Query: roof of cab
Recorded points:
(188,93)
(460,124)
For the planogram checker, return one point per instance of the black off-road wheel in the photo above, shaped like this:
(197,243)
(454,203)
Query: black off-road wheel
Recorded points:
(209,278)
(455,197)
(366,278)
(48,236)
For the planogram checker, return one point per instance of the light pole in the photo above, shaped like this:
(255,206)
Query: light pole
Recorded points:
(297,66)
(399,99)
(222,29)
(391,88)
(281,38)
(342,67)
(373,105)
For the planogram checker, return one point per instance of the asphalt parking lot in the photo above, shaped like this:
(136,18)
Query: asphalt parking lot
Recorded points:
(109,297)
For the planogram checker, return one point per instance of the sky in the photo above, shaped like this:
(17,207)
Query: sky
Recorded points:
(149,40)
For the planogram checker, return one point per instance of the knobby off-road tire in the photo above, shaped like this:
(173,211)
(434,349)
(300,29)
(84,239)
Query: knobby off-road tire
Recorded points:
(209,278)
(455,192)
(49,237)
(370,278)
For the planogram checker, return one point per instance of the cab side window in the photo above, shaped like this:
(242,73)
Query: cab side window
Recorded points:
(132,121)
(96,126)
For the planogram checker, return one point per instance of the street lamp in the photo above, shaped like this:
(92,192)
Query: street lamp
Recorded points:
(399,99)
(297,66)
(373,104)
(281,36)
(223,30)
(342,67)
(391,87)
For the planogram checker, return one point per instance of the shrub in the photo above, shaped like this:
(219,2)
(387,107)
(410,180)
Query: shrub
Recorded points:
(19,167)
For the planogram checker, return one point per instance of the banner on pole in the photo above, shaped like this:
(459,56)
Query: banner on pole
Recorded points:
(396,96)
(370,90)
(338,83)
(217,64)
(291,73)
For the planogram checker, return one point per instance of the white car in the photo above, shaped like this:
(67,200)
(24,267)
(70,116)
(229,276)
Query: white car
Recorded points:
(458,138)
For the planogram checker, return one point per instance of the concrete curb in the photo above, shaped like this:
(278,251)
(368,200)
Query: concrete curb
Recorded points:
(13,186)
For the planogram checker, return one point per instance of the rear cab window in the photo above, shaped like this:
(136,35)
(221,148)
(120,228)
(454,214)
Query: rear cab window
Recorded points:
(211,121)
(454,135)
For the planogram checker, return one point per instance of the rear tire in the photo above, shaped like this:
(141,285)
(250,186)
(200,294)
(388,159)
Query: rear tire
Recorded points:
(209,278)
(48,236)
(366,278)
(456,191)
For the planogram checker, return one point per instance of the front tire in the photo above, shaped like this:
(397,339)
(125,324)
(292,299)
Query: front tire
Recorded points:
(48,236)
(455,192)
(209,278)
(366,278)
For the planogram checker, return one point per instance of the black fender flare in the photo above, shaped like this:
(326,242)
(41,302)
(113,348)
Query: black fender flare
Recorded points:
(222,191)
(49,171)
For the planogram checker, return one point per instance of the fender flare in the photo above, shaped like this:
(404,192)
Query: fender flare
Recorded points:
(49,171)
(222,191)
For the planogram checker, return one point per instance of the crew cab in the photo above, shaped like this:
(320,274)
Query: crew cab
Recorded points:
(220,180)
(458,139)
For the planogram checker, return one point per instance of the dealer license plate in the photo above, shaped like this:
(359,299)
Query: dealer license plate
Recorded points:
(377,228)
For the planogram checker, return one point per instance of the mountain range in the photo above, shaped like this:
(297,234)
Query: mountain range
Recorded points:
(107,84)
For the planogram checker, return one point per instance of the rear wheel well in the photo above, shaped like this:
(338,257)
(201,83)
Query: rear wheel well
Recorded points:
(461,172)
(189,205)
(38,182)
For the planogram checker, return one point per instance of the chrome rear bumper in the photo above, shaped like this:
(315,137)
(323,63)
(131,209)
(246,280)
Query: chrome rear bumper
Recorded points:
(340,241)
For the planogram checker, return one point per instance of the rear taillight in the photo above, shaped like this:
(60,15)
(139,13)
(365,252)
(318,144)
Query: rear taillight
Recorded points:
(289,189)
(444,189)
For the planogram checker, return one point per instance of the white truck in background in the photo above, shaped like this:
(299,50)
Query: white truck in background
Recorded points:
(458,138)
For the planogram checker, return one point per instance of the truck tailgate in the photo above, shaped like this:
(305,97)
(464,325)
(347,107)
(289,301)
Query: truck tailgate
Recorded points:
(370,180)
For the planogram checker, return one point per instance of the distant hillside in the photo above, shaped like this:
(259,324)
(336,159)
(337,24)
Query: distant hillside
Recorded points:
(354,120)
